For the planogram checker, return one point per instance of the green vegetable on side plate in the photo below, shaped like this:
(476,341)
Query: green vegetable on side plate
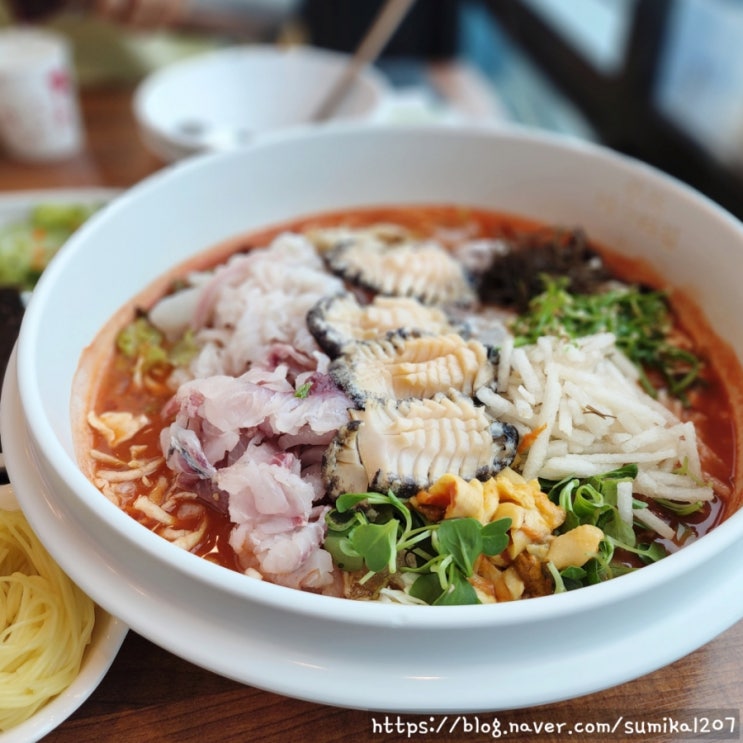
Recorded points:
(28,244)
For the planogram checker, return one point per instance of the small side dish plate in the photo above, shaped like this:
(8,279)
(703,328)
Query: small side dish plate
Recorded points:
(108,635)
(17,204)
(109,632)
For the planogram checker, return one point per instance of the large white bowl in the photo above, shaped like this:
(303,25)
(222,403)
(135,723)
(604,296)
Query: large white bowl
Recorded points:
(225,98)
(407,658)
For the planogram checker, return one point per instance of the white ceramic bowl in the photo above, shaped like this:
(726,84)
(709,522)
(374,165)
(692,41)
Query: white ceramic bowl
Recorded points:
(354,654)
(225,98)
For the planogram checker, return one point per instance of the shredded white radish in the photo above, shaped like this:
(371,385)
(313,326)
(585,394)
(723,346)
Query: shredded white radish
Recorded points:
(624,501)
(654,522)
(590,414)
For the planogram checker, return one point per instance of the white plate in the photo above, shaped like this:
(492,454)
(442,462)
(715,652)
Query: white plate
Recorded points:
(108,634)
(16,205)
(650,630)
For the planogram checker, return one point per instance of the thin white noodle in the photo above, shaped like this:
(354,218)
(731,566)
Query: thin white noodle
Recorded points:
(45,623)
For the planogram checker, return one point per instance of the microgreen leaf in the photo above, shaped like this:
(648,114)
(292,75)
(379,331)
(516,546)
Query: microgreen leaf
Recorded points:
(347,501)
(427,587)
(458,593)
(462,539)
(495,536)
(573,572)
(377,543)
(342,552)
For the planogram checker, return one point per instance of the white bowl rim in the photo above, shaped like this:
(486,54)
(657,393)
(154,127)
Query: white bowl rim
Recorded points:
(304,603)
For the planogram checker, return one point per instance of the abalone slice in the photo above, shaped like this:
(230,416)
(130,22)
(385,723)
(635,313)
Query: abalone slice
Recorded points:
(411,365)
(339,320)
(424,270)
(406,446)
(327,238)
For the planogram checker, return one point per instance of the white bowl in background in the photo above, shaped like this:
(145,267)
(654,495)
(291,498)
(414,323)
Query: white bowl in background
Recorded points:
(225,98)
(337,651)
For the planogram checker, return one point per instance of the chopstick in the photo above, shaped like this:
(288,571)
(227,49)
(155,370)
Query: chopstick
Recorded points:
(371,45)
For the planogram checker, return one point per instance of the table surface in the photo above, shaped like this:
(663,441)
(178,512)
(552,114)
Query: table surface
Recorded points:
(151,695)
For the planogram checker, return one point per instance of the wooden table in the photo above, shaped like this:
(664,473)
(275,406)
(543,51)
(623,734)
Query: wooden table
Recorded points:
(150,695)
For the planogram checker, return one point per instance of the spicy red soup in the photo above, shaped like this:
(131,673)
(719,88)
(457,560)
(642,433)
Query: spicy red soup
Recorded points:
(462,369)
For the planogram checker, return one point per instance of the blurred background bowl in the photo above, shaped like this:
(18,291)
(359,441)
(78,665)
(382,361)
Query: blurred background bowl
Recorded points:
(225,98)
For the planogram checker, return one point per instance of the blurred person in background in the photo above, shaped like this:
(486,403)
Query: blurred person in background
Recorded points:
(338,24)
(121,41)
(124,40)
(428,31)
(148,14)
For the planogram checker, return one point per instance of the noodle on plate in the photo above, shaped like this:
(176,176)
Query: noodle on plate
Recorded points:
(46,623)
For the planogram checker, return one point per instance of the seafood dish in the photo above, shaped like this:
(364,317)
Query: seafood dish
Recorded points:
(424,404)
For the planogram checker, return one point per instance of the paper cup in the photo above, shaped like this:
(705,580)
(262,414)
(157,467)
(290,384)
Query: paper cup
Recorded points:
(39,111)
